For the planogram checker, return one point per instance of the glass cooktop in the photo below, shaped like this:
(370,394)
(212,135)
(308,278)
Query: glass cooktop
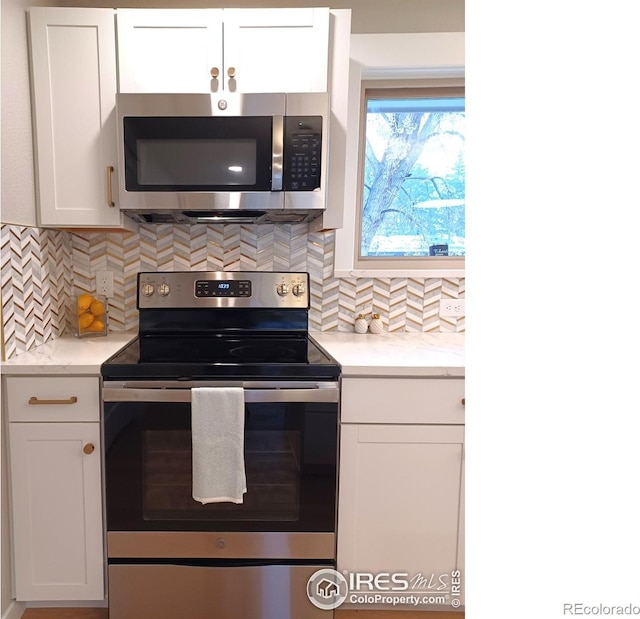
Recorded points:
(191,357)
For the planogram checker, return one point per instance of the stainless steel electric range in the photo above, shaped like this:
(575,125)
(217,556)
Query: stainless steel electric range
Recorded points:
(168,554)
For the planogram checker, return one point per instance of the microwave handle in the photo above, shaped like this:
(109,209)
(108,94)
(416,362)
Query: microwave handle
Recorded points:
(277,153)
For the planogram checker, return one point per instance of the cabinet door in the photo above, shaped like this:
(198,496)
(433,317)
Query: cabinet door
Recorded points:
(276,50)
(169,51)
(73,66)
(57,511)
(399,502)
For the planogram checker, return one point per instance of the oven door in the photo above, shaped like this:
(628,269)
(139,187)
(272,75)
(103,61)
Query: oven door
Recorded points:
(289,509)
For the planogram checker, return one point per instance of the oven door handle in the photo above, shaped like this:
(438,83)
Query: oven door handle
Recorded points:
(316,394)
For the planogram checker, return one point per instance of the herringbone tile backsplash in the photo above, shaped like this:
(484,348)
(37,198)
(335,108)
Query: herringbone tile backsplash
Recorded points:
(36,277)
(41,269)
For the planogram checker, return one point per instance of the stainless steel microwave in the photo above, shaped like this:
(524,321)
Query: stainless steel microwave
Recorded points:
(191,158)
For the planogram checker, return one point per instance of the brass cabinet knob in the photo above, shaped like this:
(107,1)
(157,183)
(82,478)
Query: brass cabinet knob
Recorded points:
(231,72)
(89,448)
(215,72)
(462,401)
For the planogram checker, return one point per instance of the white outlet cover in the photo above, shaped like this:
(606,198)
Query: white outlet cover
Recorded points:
(452,307)
(104,283)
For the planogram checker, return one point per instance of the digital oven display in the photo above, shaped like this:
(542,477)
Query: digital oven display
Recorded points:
(226,288)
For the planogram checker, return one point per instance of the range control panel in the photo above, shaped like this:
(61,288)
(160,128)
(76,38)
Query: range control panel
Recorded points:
(225,288)
(255,289)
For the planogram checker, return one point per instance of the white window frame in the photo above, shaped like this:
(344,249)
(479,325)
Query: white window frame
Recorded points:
(406,57)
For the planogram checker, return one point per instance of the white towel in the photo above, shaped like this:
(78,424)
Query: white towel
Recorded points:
(217,442)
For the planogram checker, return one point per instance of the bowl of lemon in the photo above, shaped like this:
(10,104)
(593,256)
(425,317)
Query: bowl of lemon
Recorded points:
(90,317)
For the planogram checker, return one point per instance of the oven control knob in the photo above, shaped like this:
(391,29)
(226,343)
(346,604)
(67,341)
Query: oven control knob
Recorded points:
(164,290)
(299,290)
(283,289)
(147,290)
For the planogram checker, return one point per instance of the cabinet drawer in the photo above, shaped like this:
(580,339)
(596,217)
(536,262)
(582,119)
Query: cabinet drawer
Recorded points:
(403,400)
(53,398)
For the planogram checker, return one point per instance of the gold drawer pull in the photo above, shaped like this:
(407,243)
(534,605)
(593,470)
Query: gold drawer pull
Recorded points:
(88,448)
(34,400)
(215,72)
(231,72)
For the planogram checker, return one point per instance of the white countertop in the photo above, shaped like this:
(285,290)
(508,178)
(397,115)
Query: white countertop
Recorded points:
(386,354)
(395,354)
(68,355)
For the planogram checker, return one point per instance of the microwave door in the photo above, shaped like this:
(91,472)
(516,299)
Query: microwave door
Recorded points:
(198,154)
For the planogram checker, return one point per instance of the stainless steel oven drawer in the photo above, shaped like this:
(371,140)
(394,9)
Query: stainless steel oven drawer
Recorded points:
(220,545)
(196,592)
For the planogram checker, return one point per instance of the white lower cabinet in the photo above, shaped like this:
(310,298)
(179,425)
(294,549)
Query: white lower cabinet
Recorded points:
(56,498)
(401,492)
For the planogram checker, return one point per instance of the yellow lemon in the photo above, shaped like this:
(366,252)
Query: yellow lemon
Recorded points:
(97,308)
(84,302)
(84,320)
(96,326)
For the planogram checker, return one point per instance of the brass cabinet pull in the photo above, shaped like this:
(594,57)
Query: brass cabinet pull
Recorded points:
(110,201)
(33,400)
(462,401)
(88,448)
(215,72)
(231,72)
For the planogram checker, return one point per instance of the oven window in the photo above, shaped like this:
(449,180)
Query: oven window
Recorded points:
(290,462)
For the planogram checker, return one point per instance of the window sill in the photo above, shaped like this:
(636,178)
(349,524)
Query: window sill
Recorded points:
(391,273)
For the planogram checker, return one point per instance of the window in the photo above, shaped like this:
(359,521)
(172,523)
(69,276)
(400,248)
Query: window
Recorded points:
(412,178)
(398,65)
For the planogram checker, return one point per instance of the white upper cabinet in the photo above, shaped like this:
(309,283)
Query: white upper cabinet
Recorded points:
(73,84)
(223,50)
(168,51)
(277,50)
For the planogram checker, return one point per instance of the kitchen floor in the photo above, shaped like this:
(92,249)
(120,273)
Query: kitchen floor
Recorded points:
(102,613)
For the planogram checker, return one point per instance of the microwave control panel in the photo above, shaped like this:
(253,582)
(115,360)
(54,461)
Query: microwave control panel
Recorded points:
(302,153)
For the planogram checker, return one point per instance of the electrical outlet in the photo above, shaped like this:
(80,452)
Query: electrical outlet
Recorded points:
(104,283)
(451,307)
